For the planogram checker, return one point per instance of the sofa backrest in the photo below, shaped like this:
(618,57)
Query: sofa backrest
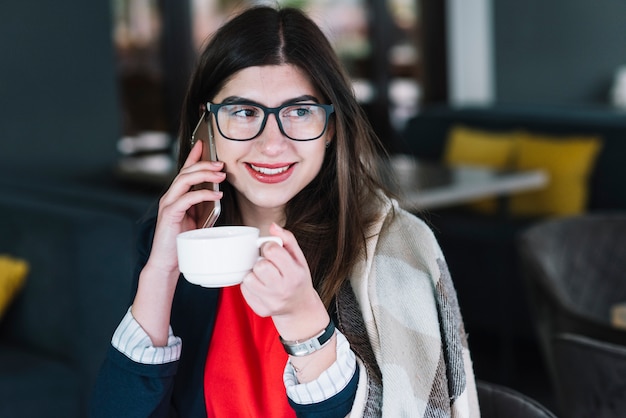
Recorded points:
(81,256)
(425,137)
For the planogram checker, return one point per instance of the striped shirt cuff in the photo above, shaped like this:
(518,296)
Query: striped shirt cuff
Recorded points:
(329,383)
(132,341)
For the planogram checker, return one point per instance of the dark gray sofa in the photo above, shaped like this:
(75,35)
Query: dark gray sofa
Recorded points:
(80,245)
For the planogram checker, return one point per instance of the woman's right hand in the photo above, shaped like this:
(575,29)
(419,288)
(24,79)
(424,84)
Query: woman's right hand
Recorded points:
(178,210)
(177,213)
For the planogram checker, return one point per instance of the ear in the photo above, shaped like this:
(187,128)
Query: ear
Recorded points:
(330,132)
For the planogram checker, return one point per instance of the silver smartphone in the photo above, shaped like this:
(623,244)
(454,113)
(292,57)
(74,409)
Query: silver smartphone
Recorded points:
(209,211)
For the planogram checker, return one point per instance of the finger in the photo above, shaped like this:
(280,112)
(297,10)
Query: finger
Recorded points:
(249,290)
(201,172)
(290,244)
(279,258)
(184,182)
(195,197)
(202,165)
(270,248)
(176,209)
(264,290)
(194,155)
(266,271)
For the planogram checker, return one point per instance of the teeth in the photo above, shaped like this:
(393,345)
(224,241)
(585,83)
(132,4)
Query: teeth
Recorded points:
(269,171)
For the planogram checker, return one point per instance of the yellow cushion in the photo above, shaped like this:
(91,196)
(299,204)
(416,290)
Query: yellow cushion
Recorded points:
(469,146)
(568,161)
(12,277)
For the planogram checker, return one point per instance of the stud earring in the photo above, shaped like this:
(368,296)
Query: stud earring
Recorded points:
(327,144)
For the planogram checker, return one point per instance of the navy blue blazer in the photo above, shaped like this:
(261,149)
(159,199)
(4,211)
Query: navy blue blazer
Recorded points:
(128,389)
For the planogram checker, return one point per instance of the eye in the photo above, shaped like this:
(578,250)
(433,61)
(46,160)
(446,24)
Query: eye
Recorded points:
(243,111)
(299,111)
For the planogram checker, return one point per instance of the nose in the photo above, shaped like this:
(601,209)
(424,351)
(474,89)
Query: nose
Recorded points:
(272,141)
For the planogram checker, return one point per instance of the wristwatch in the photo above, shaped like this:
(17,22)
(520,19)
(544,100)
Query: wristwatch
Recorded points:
(306,347)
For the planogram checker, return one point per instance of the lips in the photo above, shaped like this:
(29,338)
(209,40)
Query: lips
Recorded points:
(270,173)
(269,170)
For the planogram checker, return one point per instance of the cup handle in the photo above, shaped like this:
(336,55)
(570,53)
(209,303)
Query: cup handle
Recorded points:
(262,240)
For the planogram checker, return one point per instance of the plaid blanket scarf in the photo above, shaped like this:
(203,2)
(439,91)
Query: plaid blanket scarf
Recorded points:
(401,316)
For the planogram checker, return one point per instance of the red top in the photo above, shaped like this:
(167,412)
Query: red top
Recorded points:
(243,375)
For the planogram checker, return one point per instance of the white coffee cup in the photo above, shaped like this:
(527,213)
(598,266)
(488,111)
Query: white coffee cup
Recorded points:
(219,256)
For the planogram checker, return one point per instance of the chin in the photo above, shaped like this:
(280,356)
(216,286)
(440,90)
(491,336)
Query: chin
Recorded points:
(268,200)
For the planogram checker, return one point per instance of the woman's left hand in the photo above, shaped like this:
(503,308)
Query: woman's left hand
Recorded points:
(280,286)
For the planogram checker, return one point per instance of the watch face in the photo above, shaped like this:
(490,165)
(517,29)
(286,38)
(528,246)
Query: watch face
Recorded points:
(303,348)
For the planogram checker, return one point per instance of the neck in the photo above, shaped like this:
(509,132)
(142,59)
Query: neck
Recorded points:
(261,218)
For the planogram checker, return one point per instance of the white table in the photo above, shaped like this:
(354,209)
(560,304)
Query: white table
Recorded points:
(430,185)
(421,185)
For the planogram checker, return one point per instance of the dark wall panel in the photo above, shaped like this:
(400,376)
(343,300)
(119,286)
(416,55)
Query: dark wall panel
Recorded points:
(58,96)
(558,51)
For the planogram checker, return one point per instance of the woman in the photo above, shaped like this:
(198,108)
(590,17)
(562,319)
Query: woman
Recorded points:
(361,281)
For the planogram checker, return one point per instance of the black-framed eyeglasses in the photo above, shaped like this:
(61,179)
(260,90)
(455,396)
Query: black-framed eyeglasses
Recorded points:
(246,121)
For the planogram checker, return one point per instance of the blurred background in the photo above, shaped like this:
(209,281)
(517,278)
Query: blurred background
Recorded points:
(76,79)
(90,94)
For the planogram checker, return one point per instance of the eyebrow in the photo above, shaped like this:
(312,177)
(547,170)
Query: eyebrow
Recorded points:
(239,99)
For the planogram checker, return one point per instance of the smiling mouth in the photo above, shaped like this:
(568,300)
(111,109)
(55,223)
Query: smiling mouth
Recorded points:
(270,171)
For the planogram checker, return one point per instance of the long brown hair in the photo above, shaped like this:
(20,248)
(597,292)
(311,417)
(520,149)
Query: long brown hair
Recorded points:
(330,216)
